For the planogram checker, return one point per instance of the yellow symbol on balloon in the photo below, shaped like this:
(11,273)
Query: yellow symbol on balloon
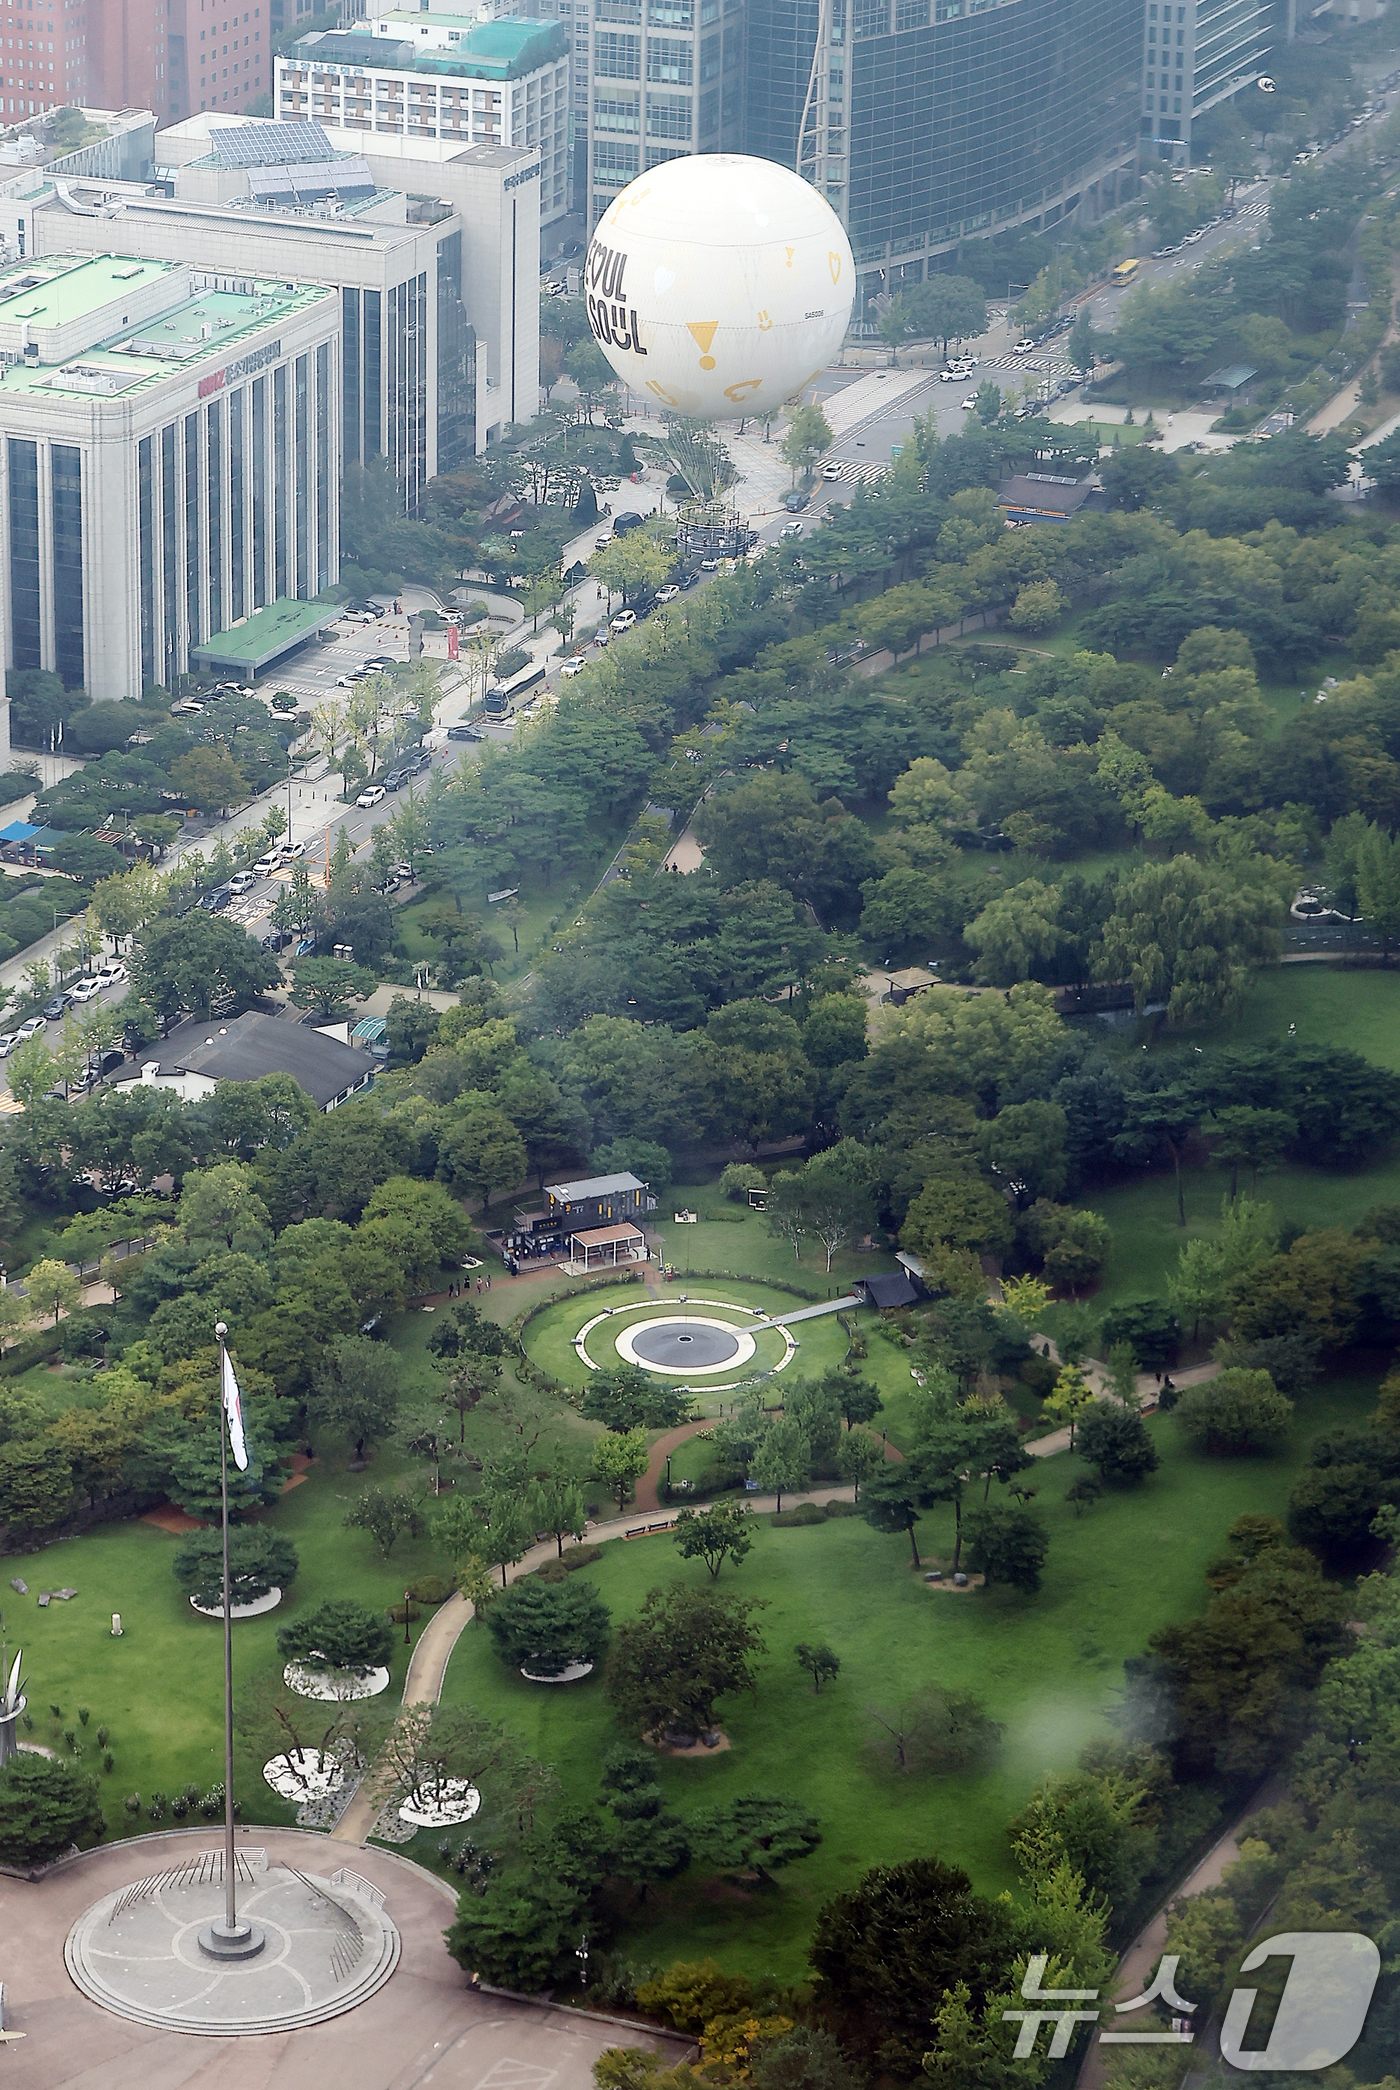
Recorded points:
(764,322)
(704,331)
(661,393)
(789,251)
(834,260)
(738,392)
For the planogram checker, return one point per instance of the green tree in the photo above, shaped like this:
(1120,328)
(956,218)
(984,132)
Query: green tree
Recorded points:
(209,778)
(755,1832)
(859,1457)
(1007,1543)
(1069,1397)
(838,1187)
(1192,934)
(201,962)
(686,1649)
(949,306)
(821,1663)
(355,1390)
(1117,1441)
(1237,1412)
(557,1505)
(620,1458)
(624,1398)
(782,1460)
(722,1532)
(45,1808)
(259,1561)
(808,437)
(329,985)
(547,1627)
(387,1515)
(480,1150)
(53,1289)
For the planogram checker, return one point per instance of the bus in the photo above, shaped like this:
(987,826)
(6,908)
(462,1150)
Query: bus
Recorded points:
(1125,271)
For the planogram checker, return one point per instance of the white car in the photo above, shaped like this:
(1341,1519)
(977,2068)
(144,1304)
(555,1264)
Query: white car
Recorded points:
(602,635)
(668,593)
(574,665)
(241,881)
(7,1044)
(831,471)
(624,620)
(113,974)
(293,852)
(372,797)
(951,375)
(1023,348)
(791,529)
(266,865)
(29,1029)
(86,990)
(969,403)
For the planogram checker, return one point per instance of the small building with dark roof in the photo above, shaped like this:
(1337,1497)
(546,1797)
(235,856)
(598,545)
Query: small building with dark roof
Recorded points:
(887,1289)
(198,1055)
(1043,496)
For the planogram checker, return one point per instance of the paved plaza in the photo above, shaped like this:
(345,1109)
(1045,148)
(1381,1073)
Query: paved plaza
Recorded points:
(424,2028)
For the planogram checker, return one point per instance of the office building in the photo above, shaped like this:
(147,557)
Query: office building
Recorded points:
(444,78)
(170,456)
(43,55)
(176,57)
(1197,54)
(931,122)
(436,347)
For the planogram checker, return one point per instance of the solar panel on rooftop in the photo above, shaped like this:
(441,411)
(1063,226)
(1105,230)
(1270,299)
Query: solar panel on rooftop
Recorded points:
(270,144)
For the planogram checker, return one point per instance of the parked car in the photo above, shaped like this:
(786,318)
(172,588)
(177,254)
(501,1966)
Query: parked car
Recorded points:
(796,501)
(241,882)
(293,852)
(396,779)
(372,797)
(602,635)
(86,990)
(623,621)
(465,732)
(381,663)
(266,865)
(418,763)
(668,593)
(969,403)
(55,1007)
(709,565)
(114,973)
(185,707)
(600,544)
(30,1028)
(8,1041)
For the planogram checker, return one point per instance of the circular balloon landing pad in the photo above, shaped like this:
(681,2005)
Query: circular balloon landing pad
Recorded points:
(686,1346)
(326,1947)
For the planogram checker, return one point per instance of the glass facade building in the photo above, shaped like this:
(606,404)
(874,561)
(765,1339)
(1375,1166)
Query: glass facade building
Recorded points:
(665,79)
(930,122)
(1196,53)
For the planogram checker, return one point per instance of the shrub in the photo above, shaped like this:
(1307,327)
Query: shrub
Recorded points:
(404,1614)
(132,1804)
(158,1805)
(179,1806)
(740,1178)
(104,1735)
(693,1991)
(44,1808)
(1241,1411)
(548,1625)
(109,1761)
(430,1589)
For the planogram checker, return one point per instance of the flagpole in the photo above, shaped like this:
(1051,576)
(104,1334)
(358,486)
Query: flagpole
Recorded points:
(229,1940)
(230,1887)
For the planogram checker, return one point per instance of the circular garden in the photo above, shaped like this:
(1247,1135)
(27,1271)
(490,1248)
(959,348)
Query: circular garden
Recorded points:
(706,1340)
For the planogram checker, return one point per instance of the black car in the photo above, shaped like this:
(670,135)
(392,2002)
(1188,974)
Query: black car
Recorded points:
(691,579)
(55,1008)
(395,780)
(419,763)
(630,521)
(461,732)
(795,502)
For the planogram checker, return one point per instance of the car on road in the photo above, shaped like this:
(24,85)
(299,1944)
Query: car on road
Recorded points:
(623,621)
(30,1028)
(831,471)
(366,606)
(396,779)
(691,579)
(709,565)
(214,902)
(86,990)
(465,732)
(791,529)
(241,882)
(372,797)
(1023,347)
(600,544)
(795,502)
(55,1007)
(292,852)
(628,520)
(267,864)
(969,403)
(8,1040)
(185,707)
(602,635)
(667,594)
(419,764)
(113,973)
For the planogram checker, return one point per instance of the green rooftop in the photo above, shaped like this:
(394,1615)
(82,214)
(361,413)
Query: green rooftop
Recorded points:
(483,50)
(71,288)
(259,640)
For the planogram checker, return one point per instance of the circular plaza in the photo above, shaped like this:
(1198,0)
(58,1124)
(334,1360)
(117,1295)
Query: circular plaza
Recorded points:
(693,1339)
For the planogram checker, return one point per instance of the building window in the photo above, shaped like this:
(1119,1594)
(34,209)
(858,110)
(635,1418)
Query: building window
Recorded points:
(671,14)
(617,57)
(672,61)
(214,432)
(279,480)
(192,529)
(613,112)
(372,381)
(668,116)
(169,513)
(323,466)
(301,439)
(145,518)
(260,493)
(236,527)
(24,552)
(611,158)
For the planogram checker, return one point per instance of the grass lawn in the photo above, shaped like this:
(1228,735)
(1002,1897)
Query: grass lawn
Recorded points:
(733,1238)
(1048,1667)
(1331,1005)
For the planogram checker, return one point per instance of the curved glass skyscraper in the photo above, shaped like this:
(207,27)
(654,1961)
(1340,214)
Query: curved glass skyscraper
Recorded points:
(931,122)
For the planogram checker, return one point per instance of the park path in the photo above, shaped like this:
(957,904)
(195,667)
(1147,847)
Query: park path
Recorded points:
(1148,1388)
(1139,1962)
(811,1313)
